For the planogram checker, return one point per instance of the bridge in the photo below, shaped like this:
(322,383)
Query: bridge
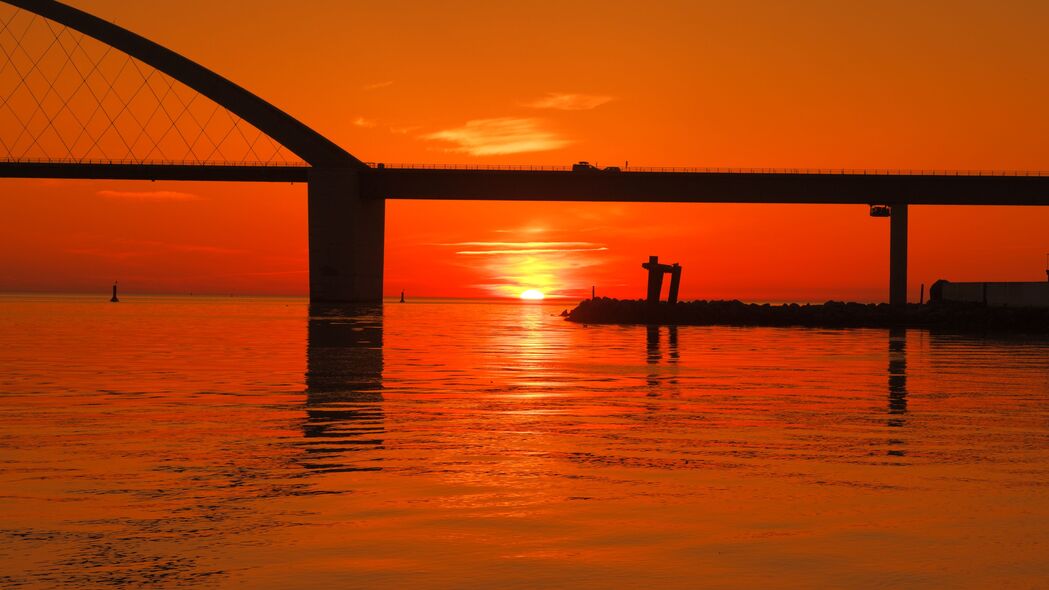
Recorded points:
(82,98)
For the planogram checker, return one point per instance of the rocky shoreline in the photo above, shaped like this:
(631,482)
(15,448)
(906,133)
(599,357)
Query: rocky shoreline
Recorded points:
(947,316)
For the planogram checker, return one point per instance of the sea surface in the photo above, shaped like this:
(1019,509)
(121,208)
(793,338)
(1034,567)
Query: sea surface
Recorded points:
(255,443)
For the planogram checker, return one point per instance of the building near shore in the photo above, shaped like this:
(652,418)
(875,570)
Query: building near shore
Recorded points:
(996,294)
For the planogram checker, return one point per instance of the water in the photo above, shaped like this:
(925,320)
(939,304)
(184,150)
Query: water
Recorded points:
(195,442)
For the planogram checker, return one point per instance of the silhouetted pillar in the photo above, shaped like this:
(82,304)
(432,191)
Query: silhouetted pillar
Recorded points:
(655,278)
(898,255)
(675,282)
(346,238)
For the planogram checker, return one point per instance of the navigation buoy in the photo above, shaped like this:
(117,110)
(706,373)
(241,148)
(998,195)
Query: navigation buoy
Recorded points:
(114,299)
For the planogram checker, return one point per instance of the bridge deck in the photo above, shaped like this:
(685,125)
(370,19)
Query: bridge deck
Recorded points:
(154,171)
(645,185)
(708,187)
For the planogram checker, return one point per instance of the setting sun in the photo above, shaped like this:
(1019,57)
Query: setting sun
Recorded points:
(532,295)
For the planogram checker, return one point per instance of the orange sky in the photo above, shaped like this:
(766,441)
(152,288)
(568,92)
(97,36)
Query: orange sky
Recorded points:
(949,85)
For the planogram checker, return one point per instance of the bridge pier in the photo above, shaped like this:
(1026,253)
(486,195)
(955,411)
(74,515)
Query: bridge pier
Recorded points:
(898,255)
(346,235)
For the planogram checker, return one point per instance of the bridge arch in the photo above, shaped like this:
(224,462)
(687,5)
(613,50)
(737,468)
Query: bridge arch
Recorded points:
(345,230)
(312,147)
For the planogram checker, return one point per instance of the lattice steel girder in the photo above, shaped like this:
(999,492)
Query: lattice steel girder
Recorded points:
(303,141)
(111,171)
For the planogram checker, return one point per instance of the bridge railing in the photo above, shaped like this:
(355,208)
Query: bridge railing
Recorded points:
(402,166)
(715,170)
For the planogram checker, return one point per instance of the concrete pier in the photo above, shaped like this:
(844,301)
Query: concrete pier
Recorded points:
(898,255)
(346,238)
(675,282)
(655,279)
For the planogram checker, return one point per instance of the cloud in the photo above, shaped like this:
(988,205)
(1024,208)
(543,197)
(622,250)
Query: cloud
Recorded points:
(103,253)
(522,230)
(158,245)
(529,251)
(123,248)
(362,122)
(526,244)
(505,135)
(148,195)
(404,130)
(378,85)
(569,102)
(520,248)
(273,273)
(202,249)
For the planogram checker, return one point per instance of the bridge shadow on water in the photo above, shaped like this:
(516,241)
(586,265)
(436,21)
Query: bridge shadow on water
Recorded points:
(344,423)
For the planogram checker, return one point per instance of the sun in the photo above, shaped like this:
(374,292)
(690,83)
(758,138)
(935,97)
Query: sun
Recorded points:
(532,295)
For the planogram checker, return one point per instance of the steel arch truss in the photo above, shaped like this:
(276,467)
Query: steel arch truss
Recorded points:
(79,91)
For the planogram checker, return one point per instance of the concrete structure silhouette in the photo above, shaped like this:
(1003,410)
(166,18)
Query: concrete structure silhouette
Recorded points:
(655,279)
(346,198)
(994,293)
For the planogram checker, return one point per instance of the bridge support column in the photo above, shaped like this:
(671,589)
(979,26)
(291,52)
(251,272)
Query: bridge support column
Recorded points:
(898,255)
(346,238)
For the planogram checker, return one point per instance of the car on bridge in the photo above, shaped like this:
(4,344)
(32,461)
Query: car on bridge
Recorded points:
(585,166)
